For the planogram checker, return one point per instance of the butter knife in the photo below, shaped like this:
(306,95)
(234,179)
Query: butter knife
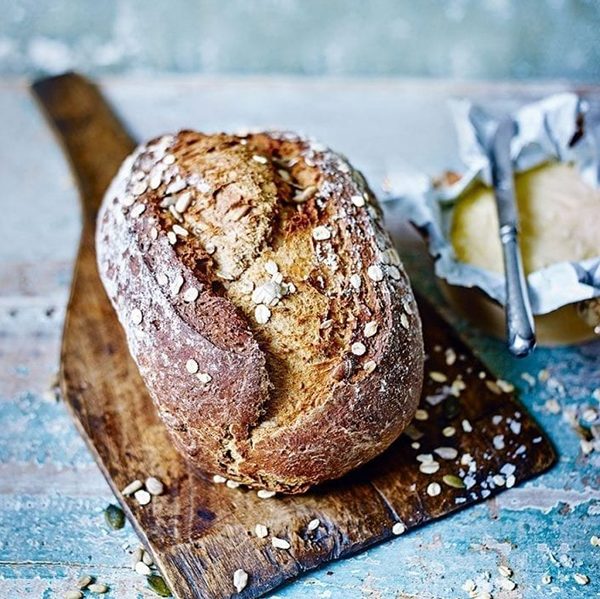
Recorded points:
(519,319)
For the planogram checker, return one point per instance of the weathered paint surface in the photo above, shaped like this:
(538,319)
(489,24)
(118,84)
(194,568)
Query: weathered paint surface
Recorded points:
(51,493)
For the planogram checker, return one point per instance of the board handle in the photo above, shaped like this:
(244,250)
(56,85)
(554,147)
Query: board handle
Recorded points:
(92,136)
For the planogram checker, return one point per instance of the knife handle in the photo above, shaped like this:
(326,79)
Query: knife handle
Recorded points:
(519,319)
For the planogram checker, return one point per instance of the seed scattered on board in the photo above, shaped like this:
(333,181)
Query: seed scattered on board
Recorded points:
(240,580)
(398,528)
(143,492)
(433,489)
(261,531)
(313,524)
(279,543)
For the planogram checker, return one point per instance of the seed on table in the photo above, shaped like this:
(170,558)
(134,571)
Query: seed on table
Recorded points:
(143,569)
(137,556)
(595,541)
(240,580)
(154,486)
(158,585)
(84,581)
(398,528)
(114,517)
(507,584)
(147,559)
(546,579)
(98,588)
(581,578)
(73,595)
(505,571)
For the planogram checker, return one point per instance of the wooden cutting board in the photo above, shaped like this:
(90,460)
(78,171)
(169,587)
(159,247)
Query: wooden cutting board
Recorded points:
(200,532)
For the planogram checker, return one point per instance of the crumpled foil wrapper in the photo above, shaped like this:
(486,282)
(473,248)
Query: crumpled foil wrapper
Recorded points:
(547,130)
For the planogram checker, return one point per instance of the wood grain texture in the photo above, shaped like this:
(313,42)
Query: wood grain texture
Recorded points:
(199,532)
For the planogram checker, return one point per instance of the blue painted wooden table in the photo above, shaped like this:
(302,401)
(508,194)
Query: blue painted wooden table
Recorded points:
(52,495)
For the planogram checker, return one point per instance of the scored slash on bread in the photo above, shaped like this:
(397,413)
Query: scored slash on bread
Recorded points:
(264,304)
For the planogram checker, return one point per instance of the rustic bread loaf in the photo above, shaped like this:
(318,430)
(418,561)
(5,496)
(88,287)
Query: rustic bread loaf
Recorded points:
(264,304)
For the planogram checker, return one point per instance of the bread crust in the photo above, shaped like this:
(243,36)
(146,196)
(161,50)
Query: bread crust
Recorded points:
(333,375)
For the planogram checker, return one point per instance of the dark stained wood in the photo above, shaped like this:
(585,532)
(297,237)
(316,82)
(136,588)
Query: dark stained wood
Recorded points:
(198,532)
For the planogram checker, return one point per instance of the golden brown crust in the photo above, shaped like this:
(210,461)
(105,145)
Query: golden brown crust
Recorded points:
(264,304)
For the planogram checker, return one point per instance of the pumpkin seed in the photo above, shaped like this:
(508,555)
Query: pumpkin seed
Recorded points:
(453,481)
(73,595)
(114,517)
(158,585)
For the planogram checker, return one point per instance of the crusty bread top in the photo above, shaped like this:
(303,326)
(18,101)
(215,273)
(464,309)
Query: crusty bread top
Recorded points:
(270,249)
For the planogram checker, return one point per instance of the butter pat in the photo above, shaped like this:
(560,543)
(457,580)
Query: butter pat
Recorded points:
(558,216)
